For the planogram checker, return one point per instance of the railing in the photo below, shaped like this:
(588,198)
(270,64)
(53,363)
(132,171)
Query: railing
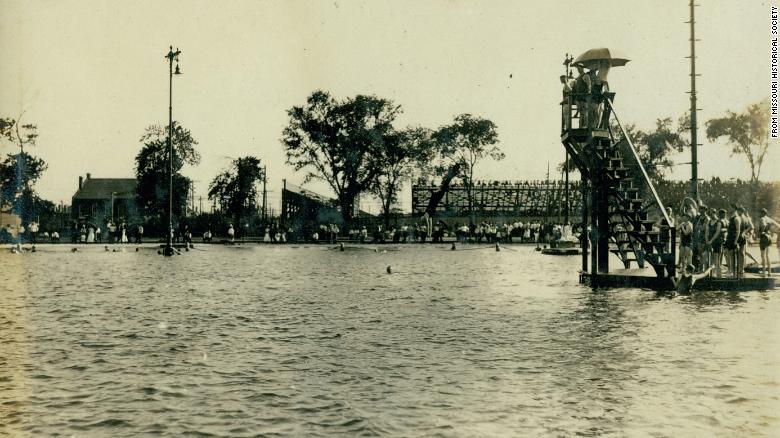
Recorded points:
(570,111)
(639,163)
(581,107)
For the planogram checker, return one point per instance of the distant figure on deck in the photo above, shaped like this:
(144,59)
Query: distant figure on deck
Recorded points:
(716,239)
(699,237)
(568,87)
(686,242)
(731,245)
(583,87)
(745,234)
(765,226)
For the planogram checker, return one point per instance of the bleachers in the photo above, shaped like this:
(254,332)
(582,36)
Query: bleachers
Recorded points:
(497,198)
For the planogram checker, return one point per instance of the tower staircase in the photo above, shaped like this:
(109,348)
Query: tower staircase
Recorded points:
(621,207)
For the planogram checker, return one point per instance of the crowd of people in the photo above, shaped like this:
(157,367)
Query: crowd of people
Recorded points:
(708,238)
(429,231)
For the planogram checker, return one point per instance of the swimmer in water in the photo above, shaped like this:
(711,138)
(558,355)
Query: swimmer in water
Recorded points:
(687,279)
(389,269)
(452,248)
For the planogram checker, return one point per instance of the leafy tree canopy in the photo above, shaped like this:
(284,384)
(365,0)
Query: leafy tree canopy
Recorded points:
(151,169)
(235,189)
(747,134)
(340,142)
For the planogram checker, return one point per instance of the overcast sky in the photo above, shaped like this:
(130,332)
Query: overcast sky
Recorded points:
(92,76)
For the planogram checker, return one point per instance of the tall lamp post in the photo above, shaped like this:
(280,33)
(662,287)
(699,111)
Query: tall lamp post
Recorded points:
(171,56)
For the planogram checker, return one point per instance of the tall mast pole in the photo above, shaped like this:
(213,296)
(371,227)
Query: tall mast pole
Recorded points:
(694,140)
(172,56)
(169,226)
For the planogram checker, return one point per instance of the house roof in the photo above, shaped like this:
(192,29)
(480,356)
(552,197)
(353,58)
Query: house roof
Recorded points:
(101,188)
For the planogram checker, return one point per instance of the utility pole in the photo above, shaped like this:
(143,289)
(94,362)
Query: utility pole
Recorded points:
(265,193)
(200,202)
(694,140)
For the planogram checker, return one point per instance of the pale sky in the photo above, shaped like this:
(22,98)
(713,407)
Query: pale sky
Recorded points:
(92,76)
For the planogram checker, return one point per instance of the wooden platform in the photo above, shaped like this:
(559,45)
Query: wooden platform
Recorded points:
(561,251)
(646,279)
(757,269)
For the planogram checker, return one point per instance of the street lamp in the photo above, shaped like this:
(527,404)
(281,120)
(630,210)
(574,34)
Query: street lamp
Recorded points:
(171,56)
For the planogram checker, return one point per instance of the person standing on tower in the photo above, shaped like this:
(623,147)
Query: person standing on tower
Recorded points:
(583,87)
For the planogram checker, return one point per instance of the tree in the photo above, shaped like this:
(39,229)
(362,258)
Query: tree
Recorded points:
(19,172)
(409,150)
(235,188)
(656,148)
(151,170)
(340,142)
(746,133)
(17,133)
(461,145)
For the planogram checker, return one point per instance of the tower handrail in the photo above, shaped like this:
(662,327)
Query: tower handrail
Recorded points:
(641,166)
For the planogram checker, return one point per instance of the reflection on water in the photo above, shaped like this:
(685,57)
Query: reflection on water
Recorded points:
(306,341)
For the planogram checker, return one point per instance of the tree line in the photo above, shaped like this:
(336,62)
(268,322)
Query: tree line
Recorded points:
(354,145)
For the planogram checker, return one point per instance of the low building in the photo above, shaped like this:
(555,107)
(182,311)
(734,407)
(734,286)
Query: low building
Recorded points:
(99,200)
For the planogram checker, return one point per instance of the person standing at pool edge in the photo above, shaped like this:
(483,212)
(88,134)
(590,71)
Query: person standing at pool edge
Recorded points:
(733,232)
(686,241)
(765,225)
(716,240)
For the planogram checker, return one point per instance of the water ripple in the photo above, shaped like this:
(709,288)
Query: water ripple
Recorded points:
(286,341)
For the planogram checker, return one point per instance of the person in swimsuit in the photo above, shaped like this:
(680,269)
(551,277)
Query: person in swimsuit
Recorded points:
(746,230)
(731,245)
(765,226)
(700,237)
(686,242)
(716,238)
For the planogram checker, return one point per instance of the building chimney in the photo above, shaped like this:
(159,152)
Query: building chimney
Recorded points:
(88,176)
(81,181)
